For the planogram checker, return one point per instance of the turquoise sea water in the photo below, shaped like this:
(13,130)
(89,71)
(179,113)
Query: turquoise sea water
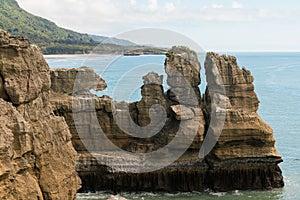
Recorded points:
(277,84)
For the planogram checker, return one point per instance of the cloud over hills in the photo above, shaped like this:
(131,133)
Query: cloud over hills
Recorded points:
(110,17)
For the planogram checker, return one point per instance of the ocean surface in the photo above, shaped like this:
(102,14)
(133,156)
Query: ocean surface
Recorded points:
(277,84)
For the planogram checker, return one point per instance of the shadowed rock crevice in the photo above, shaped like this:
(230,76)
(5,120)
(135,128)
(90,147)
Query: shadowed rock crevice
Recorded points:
(3,93)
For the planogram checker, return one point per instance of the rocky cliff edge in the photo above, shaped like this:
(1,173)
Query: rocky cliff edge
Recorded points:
(37,156)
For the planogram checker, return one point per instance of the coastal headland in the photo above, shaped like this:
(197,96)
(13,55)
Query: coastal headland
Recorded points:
(44,145)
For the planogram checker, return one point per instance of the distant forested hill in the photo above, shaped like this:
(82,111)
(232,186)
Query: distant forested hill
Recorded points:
(46,34)
(56,40)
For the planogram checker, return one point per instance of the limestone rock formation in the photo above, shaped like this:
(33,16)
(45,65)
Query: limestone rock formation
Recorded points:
(152,94)
(94,173)
(183,70)
(246,146)
(22,82)
(37,156)
(244,157)
(63,81)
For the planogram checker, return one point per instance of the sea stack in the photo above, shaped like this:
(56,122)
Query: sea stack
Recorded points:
(39,129)
(37,156)
(244,156)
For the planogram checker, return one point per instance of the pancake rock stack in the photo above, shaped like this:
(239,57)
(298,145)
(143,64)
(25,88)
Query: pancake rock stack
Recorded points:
(244,156)
(95,174)
(183,77)
(183,70)
(37,156)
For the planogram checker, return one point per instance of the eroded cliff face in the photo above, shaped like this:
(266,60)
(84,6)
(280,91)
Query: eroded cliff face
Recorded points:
(37,156)
(244,156)
(98,174)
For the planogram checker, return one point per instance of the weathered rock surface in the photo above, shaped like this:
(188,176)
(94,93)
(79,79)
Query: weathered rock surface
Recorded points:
(244,157)
(183,70)
(37,156)
(152,94)
(96,175)
(22,82)
(63,81)
(39,129)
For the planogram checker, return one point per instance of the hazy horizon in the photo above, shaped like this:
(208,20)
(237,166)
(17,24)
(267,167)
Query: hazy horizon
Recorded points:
(223,26)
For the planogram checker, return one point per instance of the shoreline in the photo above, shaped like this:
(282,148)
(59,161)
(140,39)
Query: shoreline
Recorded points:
(53,56)
(220,52)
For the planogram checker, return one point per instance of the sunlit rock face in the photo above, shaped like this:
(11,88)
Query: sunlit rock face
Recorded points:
(37,156)
(244,156)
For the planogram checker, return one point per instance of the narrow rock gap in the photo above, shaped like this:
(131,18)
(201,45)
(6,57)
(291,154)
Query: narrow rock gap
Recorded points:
(3,93)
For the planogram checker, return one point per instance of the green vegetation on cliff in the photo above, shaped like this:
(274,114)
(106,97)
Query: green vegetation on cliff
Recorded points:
(46,34)
(55,40)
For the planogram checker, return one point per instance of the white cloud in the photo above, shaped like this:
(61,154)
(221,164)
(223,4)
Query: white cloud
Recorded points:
(237,5)
(170,6)
(152,5)
(110,17)
(216,6)
(133,2)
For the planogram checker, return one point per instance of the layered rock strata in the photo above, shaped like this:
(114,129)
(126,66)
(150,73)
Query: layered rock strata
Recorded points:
(36,150)
(117,118)
(244,156)
(37,156)
(183,70)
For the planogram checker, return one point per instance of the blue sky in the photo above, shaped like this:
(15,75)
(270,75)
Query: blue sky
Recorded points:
(216,25)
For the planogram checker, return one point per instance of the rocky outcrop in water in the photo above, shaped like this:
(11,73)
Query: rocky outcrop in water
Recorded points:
(37,156)
(183,70)
(63,81)
(96,174)
(244,156)
(39,129)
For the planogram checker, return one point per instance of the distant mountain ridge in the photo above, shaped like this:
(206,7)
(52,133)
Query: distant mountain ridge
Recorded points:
(51,38)
(46,34)
(112,40)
